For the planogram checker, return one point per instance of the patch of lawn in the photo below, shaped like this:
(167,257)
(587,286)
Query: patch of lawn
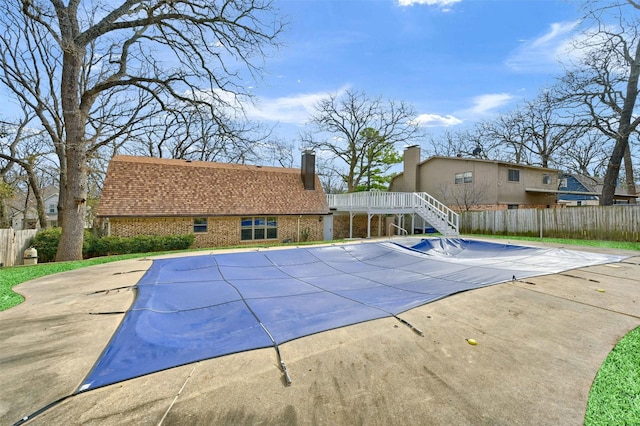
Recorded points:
(614,398)
(12,276)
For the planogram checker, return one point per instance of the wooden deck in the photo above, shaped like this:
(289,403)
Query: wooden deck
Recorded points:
(433,212)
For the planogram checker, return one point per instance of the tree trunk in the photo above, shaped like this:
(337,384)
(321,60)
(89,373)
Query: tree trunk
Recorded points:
(62,158)
(624,128)
(628,171)
(4,216)
(613,171)
(25,209)
(74,186)
(73,211)
(37,193)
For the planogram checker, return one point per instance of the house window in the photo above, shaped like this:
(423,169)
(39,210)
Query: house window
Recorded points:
(258,228)
(546,179)
(512,206)
(514,175)
(200,224)
(52,208)
(466,177)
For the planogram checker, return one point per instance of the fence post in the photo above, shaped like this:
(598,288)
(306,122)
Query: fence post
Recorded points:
(540,224)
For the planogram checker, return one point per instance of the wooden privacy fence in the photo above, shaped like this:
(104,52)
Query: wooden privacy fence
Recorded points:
(615,223)
(13,244)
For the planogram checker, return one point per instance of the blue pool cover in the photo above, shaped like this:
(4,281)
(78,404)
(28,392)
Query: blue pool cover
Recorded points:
(189,309)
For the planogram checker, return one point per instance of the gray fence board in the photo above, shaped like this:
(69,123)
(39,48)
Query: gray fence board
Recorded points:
(13,244)
(617,223)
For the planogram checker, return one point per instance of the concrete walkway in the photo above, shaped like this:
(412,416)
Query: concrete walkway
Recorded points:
(540,344)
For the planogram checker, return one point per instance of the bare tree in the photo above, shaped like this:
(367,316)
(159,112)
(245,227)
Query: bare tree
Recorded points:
(6,172)
(547,129)
(192,134)
(343,127)
(465,196)
(95,71)
(505,135)
(586,156)
(446,144)
(276,152)
(604,83)
(535,133)
(330,178)
(26,149)
(464,143)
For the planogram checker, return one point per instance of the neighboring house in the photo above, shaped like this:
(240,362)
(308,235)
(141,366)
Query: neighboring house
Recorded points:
(577,190)
(222,204)
(581,190)
(475,184)
(24,215)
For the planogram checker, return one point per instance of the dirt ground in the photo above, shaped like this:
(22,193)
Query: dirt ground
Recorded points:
(540,345)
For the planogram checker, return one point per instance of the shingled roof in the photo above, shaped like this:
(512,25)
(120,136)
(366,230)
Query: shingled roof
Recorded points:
(155,187)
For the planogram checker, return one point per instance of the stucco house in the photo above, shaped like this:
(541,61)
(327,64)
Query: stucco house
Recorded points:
(221,204)
(475,184)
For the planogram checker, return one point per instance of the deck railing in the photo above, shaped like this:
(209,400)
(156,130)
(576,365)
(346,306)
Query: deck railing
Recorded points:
(371,200)
(440,210)
(393,202)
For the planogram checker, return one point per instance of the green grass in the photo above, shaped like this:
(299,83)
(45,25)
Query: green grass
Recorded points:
(12,276)
(615,394)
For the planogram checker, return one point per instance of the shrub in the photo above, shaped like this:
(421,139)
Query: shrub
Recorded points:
(46,242)
(106,246)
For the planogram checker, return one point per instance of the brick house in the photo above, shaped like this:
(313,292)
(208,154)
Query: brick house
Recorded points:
(464,183)
(221,204)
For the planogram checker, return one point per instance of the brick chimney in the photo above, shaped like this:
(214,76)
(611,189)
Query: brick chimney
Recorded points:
(309,169)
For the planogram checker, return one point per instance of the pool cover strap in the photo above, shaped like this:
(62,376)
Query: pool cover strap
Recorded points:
(194,308)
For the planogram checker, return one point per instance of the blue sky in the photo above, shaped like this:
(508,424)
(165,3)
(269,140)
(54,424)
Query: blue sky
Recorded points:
(455,61)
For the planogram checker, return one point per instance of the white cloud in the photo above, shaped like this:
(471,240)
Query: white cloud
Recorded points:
(435,120)
(545,52)
(486,104)
(428,2)
(294,109)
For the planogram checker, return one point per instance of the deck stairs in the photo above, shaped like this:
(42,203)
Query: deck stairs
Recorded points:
(432,211)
